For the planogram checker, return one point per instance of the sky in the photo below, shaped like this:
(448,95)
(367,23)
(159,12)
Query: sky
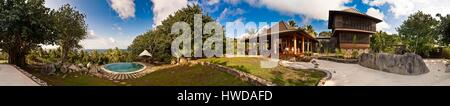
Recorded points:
(115,23)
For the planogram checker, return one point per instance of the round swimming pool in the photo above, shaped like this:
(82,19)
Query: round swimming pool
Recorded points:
(123,68)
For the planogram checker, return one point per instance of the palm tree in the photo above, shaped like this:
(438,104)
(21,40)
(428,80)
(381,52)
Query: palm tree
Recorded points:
(292,23)
(310,30)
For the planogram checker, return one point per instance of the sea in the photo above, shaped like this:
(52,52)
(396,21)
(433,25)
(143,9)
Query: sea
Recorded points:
(101,50)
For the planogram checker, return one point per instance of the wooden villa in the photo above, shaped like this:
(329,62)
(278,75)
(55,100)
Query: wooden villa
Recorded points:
(293,41)
(351,30)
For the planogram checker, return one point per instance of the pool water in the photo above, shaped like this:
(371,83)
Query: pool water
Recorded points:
(124,67)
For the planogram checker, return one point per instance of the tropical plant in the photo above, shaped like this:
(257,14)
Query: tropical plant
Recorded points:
(292,23)
(71,29)
(446,52)
(339,53)
(24,25)
(158,41)
(418,33)
(355,54)
(325,34)
(444,30)
(310,30)
(381,42)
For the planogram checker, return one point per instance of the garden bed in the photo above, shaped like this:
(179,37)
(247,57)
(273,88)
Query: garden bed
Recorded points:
(281,76)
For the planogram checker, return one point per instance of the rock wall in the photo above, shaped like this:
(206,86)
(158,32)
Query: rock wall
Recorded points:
(407,64)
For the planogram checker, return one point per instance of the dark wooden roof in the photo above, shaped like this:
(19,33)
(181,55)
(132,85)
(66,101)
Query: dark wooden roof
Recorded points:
(284,28)
(349,11)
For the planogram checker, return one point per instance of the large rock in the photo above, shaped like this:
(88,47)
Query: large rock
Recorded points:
(407,64)
(448,67)
(183,61)
(49,69)
(74,68)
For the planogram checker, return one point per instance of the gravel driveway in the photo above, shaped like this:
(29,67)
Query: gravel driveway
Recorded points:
(10,76)
(356,75)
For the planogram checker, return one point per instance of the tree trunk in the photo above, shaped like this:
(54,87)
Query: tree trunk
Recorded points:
(16,58)
(64,51)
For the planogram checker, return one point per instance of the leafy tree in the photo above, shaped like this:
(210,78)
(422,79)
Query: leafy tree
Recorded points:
(418,33)
(310,30)
(444,30)
(71,29)
(325,34)
(383,42)
(23,25)
(292,23)
(158,41)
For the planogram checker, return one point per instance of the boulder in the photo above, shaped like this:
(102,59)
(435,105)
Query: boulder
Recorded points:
(93,70)
(88,65)
(183,61)
(173,61)
(74,68)
(448,67)
(407,64)
(49,69)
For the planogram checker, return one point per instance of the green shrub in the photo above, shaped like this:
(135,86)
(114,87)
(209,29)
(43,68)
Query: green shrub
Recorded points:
(446,52)
(339,53)
(3,56)
(355,54)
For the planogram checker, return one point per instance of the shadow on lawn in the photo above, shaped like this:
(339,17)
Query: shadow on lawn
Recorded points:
(225,63)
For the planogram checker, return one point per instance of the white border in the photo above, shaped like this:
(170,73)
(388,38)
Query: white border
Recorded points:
(113,72)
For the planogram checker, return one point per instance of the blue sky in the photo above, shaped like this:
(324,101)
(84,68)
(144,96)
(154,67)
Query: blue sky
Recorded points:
(115,23)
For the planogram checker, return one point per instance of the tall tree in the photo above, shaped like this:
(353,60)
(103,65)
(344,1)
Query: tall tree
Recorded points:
(444,30)
(418,33)
(292,23)
(71,29)
(310,30)
(383,42)
(24,24)
(159,39)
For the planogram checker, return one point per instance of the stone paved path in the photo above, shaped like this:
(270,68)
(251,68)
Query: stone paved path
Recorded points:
(10,76)
(356,75)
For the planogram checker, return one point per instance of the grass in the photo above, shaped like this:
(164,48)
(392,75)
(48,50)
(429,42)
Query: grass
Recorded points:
(185,75)
(279,75)
(3,61)
(196,75)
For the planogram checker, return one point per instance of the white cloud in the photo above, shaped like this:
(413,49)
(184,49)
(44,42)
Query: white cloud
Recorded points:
(230,12)
(94,41)
(375,13)
(234,2)
(406,7)
(380,15)
(399,10)
(55,4)
(315,9)
(91,35)
(163,8)
(47,47)
(125,8)
(212,2)
(365,1)
(117,27)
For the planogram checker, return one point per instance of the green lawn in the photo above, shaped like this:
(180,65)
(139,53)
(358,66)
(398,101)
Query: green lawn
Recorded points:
(195,75)
(279,75)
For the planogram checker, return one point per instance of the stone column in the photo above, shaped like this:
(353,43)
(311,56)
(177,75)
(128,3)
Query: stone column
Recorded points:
(303,44)
(295,44)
